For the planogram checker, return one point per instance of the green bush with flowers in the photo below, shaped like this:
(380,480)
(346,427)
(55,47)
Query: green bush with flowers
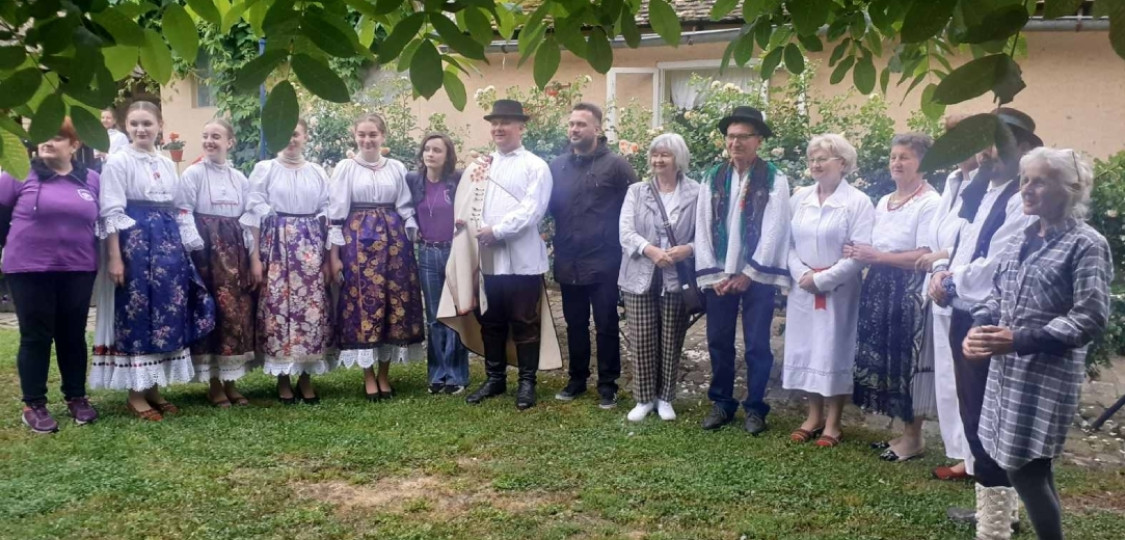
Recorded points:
(1107,203)
(548,110)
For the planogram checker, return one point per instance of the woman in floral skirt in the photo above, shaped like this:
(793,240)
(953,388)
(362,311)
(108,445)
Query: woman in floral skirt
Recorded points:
(285,212)
(151,301)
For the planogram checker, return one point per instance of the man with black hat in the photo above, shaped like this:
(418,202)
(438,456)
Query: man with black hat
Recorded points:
(741,242)
(995,216)
(513,257)
(590,183)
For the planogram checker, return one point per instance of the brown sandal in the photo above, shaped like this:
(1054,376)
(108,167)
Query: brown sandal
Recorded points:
(151,415)
(165,408)
(828,441)
(800,435)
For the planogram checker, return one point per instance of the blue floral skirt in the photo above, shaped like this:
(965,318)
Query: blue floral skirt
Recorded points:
(162,308)
(889,344)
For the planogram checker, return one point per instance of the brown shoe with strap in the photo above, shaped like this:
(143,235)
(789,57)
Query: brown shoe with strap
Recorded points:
(151,415)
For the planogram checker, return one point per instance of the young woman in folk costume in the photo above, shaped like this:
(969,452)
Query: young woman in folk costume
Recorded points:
(151,301)
(215,193)
(372,229)
(285,212)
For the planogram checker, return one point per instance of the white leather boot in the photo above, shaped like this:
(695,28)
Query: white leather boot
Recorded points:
(994,512)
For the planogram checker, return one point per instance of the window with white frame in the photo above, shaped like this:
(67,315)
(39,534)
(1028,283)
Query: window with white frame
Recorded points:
(204,93)
(669,83)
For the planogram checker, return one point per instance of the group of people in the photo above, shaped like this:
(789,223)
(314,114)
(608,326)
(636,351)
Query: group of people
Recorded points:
(974,305)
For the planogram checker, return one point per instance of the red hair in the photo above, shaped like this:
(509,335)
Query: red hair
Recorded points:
(67,130)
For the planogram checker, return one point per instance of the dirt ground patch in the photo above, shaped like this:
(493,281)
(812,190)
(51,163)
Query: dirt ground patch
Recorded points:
(1104,501)
(399,494)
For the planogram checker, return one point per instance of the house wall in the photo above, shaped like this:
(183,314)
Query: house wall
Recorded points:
(183,117)
(1074,91)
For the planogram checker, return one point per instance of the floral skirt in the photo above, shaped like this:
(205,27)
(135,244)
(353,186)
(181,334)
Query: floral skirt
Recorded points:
(889,343)
(224,264)
(145,326)
(380,308)
(294,322)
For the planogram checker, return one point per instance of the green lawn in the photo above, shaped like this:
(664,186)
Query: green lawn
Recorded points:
(425,467)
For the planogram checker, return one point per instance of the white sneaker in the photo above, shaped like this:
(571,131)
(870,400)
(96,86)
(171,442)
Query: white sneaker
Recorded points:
(665,410)
(640,412)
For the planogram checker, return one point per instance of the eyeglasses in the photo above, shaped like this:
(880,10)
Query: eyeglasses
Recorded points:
(740,137)
(822,160)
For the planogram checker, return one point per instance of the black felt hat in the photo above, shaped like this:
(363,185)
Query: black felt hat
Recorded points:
(507,108)
(749,115)
(1020,123)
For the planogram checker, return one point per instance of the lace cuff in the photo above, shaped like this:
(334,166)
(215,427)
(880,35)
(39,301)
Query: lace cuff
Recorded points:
(189,235)
(114,223)
(335,236)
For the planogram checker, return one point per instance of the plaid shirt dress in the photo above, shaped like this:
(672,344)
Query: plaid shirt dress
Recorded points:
(1054,296)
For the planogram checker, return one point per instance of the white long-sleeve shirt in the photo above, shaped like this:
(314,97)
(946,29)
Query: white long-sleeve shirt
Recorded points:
(276,188)
(974,278)
(132,175)
(519,190)
(211,189)
(354,183)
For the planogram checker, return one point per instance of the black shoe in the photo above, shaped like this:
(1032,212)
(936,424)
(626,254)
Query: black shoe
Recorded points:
(437,388)
(491,388)
(525,396)
(373,397)
(755,423)
(968,516)
(573,390)
(717,418)
(527,355)
(453,389)
(292,400)
(608,399)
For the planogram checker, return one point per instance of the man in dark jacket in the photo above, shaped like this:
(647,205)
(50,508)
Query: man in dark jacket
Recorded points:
(589,187)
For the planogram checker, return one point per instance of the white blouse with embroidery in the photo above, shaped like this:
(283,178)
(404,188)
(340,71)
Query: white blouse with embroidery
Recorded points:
(382,183)
(213,189)
(276,188)
(132,175)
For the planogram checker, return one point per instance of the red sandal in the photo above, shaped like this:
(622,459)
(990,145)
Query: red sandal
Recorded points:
(828,441)
(151,415)
(801,435)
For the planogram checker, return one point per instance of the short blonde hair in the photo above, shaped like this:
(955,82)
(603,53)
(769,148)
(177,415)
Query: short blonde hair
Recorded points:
(1072,171)
(675,144)
(836,146)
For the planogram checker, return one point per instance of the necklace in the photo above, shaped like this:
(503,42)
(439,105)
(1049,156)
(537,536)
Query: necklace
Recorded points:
(892,205)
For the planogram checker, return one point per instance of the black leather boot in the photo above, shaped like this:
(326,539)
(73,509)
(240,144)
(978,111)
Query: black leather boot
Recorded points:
(494,367)
(528,355)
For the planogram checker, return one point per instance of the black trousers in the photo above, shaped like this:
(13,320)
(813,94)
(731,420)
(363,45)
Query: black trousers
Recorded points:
(972,376)
(52,307)
(577,302)
(513,305)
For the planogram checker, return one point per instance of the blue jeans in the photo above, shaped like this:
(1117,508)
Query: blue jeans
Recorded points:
(446,359)
(722,316)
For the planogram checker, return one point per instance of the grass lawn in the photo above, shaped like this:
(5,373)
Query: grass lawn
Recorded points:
(430,467)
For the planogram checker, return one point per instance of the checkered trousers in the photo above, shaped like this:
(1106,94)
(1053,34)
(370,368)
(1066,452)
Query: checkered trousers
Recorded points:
(656,324)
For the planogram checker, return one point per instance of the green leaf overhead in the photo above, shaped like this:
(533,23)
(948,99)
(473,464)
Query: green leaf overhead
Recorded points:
(794,60)
(178,27)
(48,118)
(255,72)
(156,58)
(11,57)
(89,128)
(664,22)
(546,61)
(279,116)
(999,24)
(18,87)
(721,8)
(125,30)
(864,75)
(121,60)
(1053,9)
(459,42)
(327,36)
(455,90)
(315,75)
(206,10)
(968,137)
(598,50)
(809,15)
(770,63)
(995,72)
(926,18)
(391,47)
(425,69)
(14,160)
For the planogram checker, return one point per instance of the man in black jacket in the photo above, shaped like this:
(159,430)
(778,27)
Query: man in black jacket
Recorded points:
(589,187)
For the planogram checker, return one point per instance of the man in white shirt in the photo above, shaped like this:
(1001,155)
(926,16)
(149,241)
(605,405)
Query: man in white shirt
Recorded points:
(741,245)
(513,256)
(993,209)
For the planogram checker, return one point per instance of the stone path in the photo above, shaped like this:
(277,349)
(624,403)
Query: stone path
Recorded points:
(1104,447)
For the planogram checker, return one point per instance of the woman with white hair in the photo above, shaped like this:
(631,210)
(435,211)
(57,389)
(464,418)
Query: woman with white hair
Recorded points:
(1050,300)
(656,319)
(823,307)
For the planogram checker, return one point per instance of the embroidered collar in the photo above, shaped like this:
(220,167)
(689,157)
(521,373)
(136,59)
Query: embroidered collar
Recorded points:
(516,152)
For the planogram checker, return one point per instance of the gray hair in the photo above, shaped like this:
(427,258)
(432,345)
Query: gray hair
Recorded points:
(919,143)
(675,144)
(1072,171)
(836,146)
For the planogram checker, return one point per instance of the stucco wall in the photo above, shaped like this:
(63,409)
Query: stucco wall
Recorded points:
(183,117)
(1076,90)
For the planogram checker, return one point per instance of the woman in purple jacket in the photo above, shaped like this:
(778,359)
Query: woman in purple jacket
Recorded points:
(50,259)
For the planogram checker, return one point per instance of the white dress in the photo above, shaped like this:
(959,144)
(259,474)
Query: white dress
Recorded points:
(354,183)
(820,342)
(131,175)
